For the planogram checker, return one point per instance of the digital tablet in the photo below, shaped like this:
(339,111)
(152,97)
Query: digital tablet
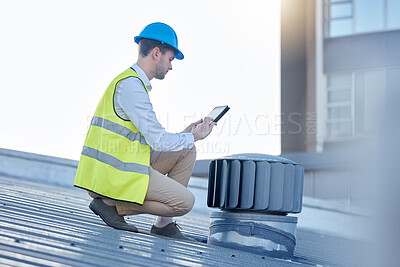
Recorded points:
(218,112)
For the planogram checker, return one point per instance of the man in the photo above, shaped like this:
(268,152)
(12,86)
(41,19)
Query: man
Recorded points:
(127,153)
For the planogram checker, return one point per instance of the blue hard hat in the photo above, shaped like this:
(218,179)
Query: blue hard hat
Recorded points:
(160,32)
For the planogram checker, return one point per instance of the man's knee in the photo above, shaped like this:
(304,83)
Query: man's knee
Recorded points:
(190,199)
(186,204)
(193,152)
(191,155)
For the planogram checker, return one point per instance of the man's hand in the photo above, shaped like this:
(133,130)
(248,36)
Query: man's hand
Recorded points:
(203,129)
(191,126)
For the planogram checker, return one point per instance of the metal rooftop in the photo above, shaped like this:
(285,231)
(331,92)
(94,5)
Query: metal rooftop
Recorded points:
(50,225)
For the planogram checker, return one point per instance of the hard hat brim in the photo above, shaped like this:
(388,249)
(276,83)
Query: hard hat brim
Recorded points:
(178,55)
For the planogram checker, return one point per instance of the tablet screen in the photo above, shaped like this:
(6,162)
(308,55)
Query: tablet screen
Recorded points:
(218,112)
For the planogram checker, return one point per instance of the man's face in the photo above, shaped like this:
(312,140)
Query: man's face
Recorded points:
(164,64)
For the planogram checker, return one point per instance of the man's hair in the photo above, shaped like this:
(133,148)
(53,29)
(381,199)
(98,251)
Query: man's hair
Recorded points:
(147,45)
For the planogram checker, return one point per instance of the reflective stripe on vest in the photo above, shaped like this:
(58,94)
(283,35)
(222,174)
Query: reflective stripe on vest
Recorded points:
(114,162)
(118,129)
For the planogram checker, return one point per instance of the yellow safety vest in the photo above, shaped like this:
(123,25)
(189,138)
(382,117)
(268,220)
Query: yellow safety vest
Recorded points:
(115,159)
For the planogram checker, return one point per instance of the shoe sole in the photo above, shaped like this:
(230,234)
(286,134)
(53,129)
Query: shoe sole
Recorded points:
(98,214)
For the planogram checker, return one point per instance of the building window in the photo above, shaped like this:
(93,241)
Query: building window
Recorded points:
(346,17)
(339,113)
(369,92)
(353,99)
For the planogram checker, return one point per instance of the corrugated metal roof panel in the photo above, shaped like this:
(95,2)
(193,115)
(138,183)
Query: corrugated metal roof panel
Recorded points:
(47,225)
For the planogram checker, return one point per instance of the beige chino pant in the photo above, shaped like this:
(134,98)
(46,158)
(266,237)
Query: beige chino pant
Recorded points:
(166,195)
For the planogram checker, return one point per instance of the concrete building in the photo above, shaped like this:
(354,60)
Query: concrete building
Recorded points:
(340,59)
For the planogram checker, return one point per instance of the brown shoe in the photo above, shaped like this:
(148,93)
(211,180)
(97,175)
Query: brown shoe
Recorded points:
(170,230)
(110,215)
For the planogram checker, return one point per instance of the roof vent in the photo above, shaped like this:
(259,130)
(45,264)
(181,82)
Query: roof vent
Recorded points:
(255,192)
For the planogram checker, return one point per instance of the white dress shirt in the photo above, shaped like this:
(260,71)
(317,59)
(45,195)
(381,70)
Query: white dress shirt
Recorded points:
(132,102)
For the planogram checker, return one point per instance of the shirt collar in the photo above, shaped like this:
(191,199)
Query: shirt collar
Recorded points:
(142,76)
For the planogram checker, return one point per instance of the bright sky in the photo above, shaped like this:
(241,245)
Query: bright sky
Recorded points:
(58,57)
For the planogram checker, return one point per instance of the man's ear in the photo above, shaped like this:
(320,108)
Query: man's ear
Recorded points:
(156,53)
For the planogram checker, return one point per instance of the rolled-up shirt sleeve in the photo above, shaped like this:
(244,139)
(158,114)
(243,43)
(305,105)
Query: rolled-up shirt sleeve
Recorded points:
(133,99)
